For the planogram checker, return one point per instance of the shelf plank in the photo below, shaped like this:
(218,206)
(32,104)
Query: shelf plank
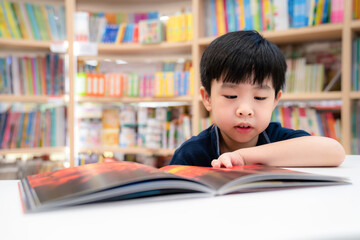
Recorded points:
(296,35)
(38,150)
(81,99)
(33,44)
(32,98)
(355,95)
(128,150)
(355,25)
(311,96)
(158,49)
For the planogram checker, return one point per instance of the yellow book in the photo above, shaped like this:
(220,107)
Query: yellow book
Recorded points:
(110,127)
(22,24)
(11,20)
(176,29)
(24,135)
(189,26)
(47,24)
(169,84)
(182,27)
(220,12)
(3,27)
(319,12)
(159,83)
(120,35)
(241,14)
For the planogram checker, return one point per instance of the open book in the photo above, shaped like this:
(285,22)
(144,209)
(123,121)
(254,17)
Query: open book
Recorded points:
(128,181)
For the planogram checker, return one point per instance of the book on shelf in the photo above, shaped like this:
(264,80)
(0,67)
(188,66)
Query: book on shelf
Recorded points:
(159,84)
(32,75)
(33,127)
(122,180)
(24,20)
(222,16)
(313,119)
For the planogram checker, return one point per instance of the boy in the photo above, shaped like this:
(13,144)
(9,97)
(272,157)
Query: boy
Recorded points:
(242,75)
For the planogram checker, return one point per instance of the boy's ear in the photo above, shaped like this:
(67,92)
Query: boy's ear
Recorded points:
(277,99)
(205,98)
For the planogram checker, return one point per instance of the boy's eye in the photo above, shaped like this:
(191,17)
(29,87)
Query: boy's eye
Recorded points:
(260,98)
(230,97)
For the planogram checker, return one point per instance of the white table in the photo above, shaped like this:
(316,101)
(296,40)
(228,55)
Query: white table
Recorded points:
(311,213)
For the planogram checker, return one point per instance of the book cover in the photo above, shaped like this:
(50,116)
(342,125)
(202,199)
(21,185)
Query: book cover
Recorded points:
(122,180)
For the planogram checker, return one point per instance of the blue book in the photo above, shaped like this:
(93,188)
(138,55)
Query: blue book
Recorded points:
(56,75)
(248,17)
(3,85)
(214,29)
(153,15)
(291,12)
(20,130)
(3,119)
(32,19)
(28,129)
(231,16)
(50,11)
(326,12)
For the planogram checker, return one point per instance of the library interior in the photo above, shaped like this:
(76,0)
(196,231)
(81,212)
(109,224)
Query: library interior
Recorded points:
(87,81)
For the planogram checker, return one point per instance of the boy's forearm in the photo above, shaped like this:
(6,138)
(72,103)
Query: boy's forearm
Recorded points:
(302,151)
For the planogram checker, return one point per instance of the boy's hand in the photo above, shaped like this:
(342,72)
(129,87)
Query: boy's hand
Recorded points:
(228,160)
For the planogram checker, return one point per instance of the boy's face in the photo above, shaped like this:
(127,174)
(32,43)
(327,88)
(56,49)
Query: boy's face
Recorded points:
(241,111)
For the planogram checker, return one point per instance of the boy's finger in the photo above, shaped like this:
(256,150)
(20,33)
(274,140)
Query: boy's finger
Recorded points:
(226,162)
(215,163)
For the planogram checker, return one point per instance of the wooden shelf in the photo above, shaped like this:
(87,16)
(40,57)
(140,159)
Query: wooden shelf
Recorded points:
(133,99)
(40,150)
(355,25)
(128,150)
(311,96)
(163,48)
(32,98)
(295,35)
(355,95)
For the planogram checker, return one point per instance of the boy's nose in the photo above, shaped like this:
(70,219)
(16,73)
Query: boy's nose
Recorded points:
(244,111)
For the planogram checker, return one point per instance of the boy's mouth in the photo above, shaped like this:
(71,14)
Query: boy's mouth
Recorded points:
(243,127)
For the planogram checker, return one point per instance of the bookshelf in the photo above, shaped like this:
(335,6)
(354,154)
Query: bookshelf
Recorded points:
(193,49)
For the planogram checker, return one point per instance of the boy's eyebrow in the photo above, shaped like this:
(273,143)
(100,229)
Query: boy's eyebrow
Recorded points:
(229,85)
(256,86)
(265,87)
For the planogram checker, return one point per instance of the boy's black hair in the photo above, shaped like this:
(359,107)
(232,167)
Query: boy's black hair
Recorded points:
(242,56)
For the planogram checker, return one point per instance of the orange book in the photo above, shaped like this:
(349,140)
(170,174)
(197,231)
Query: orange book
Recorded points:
(220,16)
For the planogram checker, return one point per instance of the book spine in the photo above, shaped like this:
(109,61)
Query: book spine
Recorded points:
(34,25)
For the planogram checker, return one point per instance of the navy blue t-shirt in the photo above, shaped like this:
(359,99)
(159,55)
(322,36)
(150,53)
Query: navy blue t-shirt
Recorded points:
(200,150)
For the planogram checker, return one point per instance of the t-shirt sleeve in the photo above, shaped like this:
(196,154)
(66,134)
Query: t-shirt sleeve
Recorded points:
(179,158)
(279,133)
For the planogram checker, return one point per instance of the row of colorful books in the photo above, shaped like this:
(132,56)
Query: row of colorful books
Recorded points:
(313,67)
(159,84)
(355,78)
(20,168)
(101,27)
(263,15)
(355,128)
(204,123)
(32,75)
(130,126)
(302,77)
(24,20)
(35,128)
(315,120)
